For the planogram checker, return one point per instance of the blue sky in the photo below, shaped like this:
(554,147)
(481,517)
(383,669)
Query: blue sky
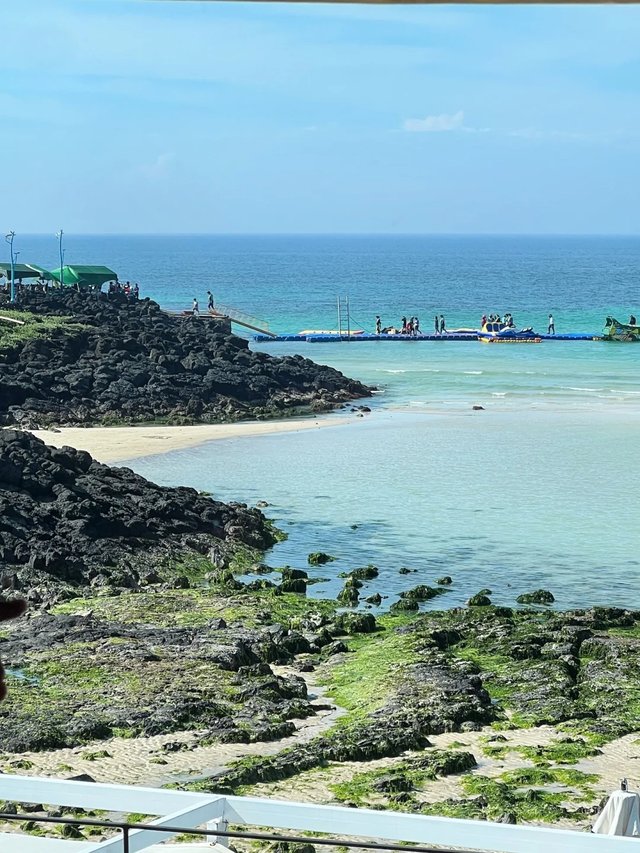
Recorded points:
(138,117)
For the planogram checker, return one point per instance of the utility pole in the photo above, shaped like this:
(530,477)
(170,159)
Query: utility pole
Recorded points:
(59,235)
(9,238)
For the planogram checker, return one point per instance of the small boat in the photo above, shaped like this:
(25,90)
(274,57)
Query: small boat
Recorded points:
(616,331)
(494,332)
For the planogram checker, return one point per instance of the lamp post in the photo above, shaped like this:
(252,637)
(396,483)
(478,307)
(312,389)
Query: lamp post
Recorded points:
(59,235)
(9,238)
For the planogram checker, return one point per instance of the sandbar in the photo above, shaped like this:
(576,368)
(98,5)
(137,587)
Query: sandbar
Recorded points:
(117,444)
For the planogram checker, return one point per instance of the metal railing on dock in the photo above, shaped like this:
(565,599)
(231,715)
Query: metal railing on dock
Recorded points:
(225,312)
(244,319)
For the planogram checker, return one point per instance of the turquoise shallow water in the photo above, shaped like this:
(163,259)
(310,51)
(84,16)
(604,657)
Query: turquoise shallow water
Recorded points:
(541,488)
(436,375)
(497,499)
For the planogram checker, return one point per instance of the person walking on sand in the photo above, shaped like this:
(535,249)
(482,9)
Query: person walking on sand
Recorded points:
(378,324)
(442,325)
(195,308)
(552,326)
(210,306)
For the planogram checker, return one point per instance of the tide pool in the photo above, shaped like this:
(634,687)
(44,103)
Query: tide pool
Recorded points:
(510,500)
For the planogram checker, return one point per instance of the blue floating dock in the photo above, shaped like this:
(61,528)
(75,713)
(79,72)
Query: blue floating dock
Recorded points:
(578,336)
(448,336)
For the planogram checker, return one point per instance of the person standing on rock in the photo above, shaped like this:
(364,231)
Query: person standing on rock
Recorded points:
(195,308)
(210,306)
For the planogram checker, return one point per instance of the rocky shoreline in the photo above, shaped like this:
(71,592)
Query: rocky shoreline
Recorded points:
(67,521)
(151,621)
(89,359)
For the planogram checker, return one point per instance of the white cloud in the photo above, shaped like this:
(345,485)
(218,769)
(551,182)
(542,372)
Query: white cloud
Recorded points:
(435,124)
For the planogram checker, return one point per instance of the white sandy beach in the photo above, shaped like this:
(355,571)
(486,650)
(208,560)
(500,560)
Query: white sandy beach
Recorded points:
(117,444)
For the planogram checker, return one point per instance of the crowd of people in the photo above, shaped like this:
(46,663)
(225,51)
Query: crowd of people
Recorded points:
(408,326)
(411,325)
(126,288)
(507,320)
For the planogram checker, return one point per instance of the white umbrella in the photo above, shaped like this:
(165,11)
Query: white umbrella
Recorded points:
(620,816)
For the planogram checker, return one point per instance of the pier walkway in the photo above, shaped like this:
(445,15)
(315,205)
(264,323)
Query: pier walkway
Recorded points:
(234,315)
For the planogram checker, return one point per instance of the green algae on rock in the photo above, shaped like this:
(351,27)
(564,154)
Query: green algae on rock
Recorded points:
(454,671)
(539,596)
(319,558)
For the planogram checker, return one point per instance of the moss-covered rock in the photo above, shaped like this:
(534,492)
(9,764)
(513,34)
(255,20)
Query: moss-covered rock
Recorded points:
(366,573)
(319,558)
(404,605)
(349,596)
(422,592)
(479,600)
(355,623)
(539,596)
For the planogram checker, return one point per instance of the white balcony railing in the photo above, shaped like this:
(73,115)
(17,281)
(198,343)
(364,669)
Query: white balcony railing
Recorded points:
(188,811)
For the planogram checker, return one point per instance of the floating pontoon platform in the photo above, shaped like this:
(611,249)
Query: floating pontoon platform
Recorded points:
(447,336)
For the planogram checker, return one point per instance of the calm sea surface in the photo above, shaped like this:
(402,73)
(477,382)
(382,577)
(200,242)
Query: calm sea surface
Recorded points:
(541,488)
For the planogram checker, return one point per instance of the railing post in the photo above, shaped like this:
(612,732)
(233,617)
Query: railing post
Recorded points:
(223,826)
(125,839)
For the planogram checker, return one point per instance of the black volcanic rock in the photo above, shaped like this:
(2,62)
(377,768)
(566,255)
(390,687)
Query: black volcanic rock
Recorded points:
(66,518)
(120,360)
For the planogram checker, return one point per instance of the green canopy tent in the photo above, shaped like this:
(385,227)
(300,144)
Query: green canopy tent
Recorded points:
(42,272)
(20,271)
(84,276)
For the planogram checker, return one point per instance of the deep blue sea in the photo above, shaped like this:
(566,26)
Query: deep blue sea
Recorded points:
(539,488)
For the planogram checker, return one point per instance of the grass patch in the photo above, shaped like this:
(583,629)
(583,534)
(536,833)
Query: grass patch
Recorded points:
(35,326)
